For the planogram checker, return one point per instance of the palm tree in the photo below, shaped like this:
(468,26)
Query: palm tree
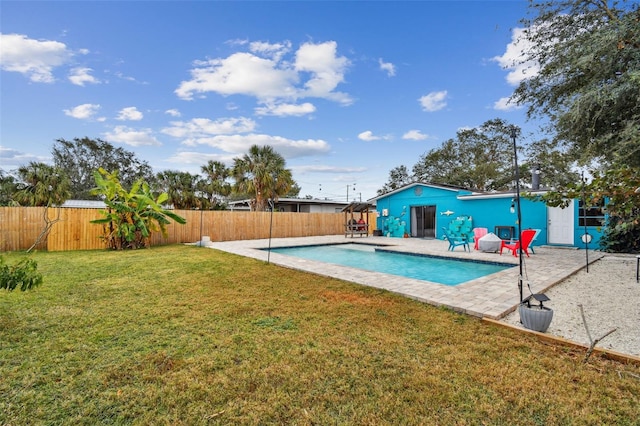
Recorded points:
(181,188)
(214,186)
(42,185)
(8,187)
(261,173)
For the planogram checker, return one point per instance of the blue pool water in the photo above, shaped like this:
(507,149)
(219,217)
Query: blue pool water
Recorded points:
(372,258)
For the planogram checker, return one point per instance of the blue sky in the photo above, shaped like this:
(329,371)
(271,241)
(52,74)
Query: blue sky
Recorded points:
(345,91)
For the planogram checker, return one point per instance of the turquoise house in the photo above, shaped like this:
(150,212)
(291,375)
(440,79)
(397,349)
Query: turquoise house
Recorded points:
(421,210)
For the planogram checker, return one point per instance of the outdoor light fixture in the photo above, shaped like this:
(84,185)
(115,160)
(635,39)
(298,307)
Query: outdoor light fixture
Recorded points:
(586,238)
(512,209)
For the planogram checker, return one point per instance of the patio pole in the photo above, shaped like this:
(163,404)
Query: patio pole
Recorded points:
(201,213)
(271,207)
(586,238)
(514,133)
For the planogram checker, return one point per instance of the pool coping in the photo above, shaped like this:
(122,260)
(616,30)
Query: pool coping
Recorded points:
(493,296)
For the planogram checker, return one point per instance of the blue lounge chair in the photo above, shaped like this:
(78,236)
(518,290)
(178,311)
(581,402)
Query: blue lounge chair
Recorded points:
(455,241)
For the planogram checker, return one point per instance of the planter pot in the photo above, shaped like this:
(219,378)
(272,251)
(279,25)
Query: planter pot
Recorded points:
(537,318)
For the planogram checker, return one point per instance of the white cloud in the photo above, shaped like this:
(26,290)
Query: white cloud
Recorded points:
(434,101)
(240,144)
(368,136)
(129,114)
(327,70)
(203,127)
(83,112)
(173,112)
(12,158)
(263,73)
(414,135)
(81,76)
(514,59)
(273,50)
(388,67)
(322,168)
(193,157)
(133,137)
(504,104)
(121,76)
(239,74)
(232,135)
(36,59)
(282,110)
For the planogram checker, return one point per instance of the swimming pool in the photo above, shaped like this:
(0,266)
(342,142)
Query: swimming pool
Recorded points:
(445,271)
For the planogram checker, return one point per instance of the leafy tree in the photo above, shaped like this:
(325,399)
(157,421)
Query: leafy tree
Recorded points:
(398,177)
(80,159)
(214,188)
(588,54)
(8,186)
(261,173)
(480,158)
(615,188)
(294,192)
(41,185)
(554,164)
(131,216)
(181,187)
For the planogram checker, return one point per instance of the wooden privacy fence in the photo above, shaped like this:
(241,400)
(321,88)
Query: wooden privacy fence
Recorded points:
(20,227)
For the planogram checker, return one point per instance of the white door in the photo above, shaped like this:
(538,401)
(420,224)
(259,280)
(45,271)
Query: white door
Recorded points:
(560,224)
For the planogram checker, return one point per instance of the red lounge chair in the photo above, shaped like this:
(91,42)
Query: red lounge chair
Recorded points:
(527,236)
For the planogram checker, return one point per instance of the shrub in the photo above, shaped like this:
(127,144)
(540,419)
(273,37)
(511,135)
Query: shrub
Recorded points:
(24,274)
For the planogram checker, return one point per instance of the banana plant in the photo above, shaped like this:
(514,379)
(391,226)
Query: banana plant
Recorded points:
(131,216)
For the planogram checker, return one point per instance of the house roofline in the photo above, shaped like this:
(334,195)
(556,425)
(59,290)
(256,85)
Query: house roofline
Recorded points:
(502,194)
(430,185)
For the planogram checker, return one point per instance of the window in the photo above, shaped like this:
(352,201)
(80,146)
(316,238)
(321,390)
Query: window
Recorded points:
(591,216)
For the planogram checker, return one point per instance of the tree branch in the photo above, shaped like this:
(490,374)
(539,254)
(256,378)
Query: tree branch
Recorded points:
(47,227)
(592,342)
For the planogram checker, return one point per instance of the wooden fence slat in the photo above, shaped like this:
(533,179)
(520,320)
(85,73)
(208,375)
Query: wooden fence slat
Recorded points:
(20,227)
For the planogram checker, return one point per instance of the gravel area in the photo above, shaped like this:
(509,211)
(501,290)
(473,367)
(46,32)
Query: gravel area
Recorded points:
(610,298)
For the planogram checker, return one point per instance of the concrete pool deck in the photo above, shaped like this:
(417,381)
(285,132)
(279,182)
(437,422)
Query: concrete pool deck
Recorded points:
(493,296)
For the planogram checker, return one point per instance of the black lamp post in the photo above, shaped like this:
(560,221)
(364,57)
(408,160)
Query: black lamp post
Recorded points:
(514,132)
(532,317)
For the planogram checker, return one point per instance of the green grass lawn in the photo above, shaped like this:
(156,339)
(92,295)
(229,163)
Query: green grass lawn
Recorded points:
(187,335)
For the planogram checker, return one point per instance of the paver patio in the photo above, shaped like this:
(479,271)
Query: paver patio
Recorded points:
(492,296)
